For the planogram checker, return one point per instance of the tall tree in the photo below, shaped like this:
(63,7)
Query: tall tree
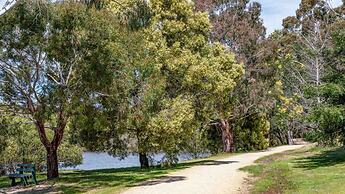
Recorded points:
(50,62)
(193,67)
(310,36)
(178,81)
(302,47)
(330,115)
(237,24)
(142,97)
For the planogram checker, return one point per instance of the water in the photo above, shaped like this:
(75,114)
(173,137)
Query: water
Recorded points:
(94,161)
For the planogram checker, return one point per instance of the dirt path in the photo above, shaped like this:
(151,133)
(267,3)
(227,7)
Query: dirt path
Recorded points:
(216,177)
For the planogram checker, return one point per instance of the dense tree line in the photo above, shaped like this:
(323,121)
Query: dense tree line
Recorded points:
(165,76)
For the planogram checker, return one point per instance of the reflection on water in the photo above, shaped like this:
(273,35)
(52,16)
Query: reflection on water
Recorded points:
(94,160)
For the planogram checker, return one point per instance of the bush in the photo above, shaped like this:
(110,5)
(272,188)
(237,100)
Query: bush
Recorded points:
(253,134)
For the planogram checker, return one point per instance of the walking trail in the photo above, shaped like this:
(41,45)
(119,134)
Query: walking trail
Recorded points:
(214,177)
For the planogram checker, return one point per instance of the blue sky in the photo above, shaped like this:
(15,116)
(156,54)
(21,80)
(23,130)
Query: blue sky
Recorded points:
(274,11)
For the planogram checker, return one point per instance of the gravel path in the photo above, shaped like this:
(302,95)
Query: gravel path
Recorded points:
(215,177)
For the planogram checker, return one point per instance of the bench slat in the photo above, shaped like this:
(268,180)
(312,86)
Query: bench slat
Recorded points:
(25,170)
(26,165)
(19,175)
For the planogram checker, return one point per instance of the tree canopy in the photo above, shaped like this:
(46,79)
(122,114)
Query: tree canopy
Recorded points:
(165,76)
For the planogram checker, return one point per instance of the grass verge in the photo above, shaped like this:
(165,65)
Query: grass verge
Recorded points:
(109,180)
(308,170)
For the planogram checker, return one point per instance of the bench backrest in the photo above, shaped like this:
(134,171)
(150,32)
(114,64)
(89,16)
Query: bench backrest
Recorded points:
(26,168)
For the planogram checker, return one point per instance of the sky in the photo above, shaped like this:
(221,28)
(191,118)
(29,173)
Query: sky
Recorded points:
(273,11)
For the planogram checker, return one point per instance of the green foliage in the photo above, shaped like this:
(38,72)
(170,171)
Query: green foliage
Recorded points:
(330,115)
(193,69)
(331,121)
(149,76)
(314,135)
(238,25)
(206,73)
(176,122)
(21,144)
(311,70)
(253,134)
(176,81)
(55,58)
(212,139)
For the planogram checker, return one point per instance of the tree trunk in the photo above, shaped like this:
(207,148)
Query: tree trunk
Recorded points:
(144,160)
(52,164)
(52,147)
(290,138)
(227,136)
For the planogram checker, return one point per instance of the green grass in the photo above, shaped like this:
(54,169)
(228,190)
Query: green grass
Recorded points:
(307,170)
(3,181)
(111,180)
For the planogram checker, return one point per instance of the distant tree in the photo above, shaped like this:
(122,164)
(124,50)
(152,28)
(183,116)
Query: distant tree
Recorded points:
(302,51)
(310,32)
(238,25)
(330,115)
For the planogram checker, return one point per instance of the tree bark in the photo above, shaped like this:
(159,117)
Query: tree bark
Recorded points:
(144,160)
(52,147)
(290,138)
(227,136)
(52,164)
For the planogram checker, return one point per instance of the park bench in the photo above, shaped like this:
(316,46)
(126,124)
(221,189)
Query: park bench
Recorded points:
(24,172)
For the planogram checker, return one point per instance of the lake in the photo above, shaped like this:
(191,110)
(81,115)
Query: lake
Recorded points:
(95,160)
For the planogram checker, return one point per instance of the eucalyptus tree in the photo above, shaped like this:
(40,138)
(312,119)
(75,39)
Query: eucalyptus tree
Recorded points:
(310,36)
(147,96)
(238,25)
(330,114)
(195,70)
(53,58)
(304,42)
(179,81)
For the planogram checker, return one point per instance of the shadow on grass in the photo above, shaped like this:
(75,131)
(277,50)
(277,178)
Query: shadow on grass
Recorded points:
(324,159)
(83,181)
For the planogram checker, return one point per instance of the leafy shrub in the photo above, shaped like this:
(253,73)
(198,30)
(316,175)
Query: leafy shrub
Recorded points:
(253,134)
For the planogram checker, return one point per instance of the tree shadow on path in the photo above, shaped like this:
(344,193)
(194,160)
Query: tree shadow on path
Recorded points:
(215,162)
(164,179)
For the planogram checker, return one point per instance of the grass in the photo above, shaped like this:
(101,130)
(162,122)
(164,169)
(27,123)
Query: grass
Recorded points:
(307,170)
(112,180)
